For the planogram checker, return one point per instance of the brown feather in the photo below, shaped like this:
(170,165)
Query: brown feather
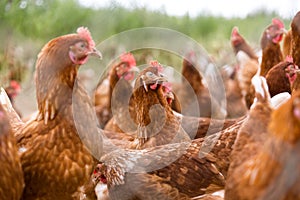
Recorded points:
(11,179)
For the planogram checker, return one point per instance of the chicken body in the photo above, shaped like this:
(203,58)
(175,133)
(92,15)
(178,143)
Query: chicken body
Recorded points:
(11,179)
(268,171)
(248,144)
(54,159)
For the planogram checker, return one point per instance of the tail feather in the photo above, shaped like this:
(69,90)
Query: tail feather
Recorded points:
(14,119)
(262,93)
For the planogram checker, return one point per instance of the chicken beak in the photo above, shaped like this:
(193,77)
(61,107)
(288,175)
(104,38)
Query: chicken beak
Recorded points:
(161,79)
(134,69)
(95,52)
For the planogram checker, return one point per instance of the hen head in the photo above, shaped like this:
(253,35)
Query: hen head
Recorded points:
(98,174)
(126,67)
(68,50)
(85,46)
(110,175)
(273,33)
(236,38)
(151,78)
(291,70)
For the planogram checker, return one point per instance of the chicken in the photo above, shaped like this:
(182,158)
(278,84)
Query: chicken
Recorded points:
(280,76)
(271,52)
(247,69)
(11,180)
(193,95)
(248,144)
(172,171)
(238,43)
(155,121)
(268,174)
(239,93)
(54,159)
(236,104)
(120,74)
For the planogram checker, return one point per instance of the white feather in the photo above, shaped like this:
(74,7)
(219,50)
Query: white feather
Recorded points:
(279,99)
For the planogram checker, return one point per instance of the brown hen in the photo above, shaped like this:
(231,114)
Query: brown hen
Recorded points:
(174,171)
(239,43)
(121,73)
(247,68)
(271,51)
(194,96)
(153,116)
(54,159)
(268,174)
(248,144)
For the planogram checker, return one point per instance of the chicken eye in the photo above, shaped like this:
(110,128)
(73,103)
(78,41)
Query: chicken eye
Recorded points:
(149,74)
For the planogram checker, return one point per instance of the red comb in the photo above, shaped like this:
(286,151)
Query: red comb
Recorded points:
(85,33)
(129,58)
(235,31)
(278,22)
(289,59)
(155,63)
(14,84)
